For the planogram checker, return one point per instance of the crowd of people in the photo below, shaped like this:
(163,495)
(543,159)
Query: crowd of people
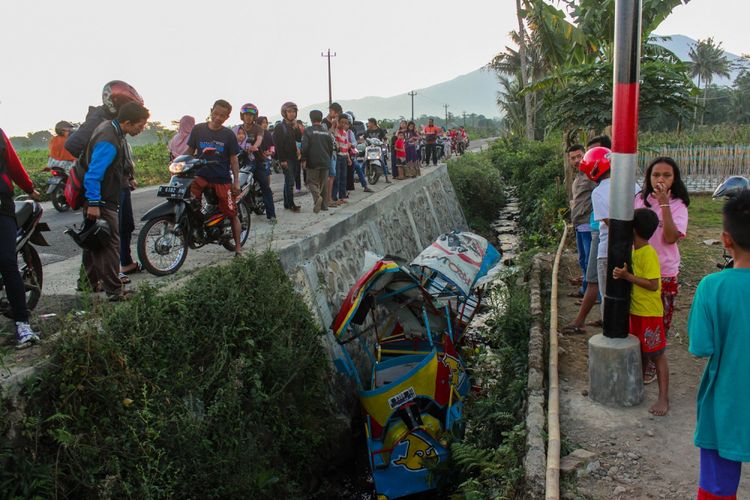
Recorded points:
(717,325)
(324,155)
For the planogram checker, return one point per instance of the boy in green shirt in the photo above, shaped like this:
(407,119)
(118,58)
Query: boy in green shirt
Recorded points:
(646,307)
(719,328)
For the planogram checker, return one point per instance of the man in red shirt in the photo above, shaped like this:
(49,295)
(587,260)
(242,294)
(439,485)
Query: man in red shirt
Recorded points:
(431,133)
(12,171)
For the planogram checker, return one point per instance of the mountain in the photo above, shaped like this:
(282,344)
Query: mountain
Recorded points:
(680,46)
(474,92)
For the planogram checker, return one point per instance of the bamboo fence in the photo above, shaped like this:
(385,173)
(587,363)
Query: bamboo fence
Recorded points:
(703,167)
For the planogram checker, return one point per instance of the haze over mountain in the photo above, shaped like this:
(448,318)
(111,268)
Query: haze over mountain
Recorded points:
(475,92)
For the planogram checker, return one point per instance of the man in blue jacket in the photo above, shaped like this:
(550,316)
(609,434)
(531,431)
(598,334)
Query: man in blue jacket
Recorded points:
(107,157)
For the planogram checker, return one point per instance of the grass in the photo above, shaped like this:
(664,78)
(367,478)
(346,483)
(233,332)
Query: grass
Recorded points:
(699,259)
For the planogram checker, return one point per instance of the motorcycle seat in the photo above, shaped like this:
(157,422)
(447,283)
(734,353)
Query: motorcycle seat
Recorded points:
(24,210)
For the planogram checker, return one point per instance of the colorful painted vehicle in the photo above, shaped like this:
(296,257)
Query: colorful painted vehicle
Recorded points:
(408,323)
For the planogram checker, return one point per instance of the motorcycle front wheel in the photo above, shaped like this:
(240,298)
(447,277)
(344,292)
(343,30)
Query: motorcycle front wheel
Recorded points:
(58,199)
(160,249)
(243,212)
(258,205)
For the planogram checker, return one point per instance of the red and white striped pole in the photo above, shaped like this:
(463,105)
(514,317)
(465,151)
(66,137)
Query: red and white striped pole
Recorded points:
(624,162)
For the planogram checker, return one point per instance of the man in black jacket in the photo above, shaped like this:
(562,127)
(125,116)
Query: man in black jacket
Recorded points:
(107,157)
(317,149)
(285,137)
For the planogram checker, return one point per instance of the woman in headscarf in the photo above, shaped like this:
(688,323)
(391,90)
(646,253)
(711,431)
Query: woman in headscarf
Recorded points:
(178,145)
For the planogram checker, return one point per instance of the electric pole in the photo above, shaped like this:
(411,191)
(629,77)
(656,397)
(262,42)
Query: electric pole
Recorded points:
(328,56)
(446,115)
(412,94)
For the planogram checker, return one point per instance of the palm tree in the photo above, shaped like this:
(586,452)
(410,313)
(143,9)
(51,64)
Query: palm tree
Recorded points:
(708,60)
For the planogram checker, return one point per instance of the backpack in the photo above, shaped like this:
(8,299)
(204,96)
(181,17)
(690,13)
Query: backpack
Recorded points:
(74,192)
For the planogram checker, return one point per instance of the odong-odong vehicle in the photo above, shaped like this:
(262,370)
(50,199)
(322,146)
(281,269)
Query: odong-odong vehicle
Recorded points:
(56,187)
(409,322)
(30,227)
(178,223)
(375,154)
(731,187)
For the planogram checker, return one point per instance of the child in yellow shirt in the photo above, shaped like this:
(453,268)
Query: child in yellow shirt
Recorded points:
(646,308)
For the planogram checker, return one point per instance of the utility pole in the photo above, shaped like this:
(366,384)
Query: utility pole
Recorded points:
(328,56)
(412,94)
(446,115)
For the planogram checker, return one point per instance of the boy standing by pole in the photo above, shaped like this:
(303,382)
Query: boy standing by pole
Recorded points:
(646,308)
(719,328)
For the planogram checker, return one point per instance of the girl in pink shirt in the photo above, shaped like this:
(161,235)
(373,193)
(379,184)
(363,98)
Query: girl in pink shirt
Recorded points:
(666,195)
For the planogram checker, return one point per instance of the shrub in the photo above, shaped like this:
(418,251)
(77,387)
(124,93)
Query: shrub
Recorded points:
(214,390)
(479,189)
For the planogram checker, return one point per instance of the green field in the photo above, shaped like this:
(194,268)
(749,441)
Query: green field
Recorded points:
(151,162)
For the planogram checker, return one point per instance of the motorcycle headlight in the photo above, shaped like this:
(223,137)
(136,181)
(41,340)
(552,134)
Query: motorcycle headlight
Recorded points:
(176,167)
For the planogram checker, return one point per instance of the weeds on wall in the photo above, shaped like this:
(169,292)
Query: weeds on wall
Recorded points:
(213,390)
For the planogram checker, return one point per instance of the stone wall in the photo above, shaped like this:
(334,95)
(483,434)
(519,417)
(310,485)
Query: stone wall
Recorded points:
(398,222)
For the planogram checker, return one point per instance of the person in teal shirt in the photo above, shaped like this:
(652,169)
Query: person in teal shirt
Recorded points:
(719,328)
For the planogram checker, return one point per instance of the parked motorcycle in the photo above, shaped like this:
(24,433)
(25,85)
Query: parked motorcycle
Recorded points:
(254,197)
(28,217)
(178,223)
(731,187)
(56,187)
(440,147)
(375,154)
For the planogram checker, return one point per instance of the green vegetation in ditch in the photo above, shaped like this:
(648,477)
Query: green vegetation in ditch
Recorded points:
(488,462)
(214,390)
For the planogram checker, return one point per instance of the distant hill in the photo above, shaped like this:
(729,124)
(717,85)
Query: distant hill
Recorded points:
(474,92)
(680,45)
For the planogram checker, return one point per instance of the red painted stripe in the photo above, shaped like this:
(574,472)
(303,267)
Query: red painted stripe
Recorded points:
(625,118)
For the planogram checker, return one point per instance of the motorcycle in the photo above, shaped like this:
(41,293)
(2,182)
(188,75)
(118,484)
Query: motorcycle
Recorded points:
(439,148)
(179,223)
(731,187)
(28,216)
(254,196)
(56,187)
(375,154)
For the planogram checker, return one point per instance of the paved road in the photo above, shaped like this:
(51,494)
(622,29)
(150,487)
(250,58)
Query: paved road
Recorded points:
(62,247)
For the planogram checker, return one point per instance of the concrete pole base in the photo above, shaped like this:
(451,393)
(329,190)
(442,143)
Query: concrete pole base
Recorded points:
(615,373)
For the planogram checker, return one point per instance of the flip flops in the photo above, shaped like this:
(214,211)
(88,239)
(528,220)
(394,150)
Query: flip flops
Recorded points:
(124,278)
(573,329)
(137,269)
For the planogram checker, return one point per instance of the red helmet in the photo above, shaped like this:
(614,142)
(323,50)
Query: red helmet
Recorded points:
(116,93)
(596,163)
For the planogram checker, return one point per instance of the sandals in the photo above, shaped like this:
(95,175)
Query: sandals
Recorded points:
(573,329)
(124,278)
(137,269)
(596,323)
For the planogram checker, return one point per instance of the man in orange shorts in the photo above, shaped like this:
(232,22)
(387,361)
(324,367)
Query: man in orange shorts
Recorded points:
(218,176)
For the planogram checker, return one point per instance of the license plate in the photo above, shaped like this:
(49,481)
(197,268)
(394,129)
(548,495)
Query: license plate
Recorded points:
(401,398)
(54,180)
(171,192)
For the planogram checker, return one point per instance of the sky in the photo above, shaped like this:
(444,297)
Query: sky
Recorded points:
(183,55)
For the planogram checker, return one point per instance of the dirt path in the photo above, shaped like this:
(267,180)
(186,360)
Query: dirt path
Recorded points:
(637,455)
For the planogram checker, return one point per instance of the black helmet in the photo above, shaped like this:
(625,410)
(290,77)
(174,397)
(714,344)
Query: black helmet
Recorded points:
(62,126)
(351,113)
(286,107)
(91,235)
(731,187)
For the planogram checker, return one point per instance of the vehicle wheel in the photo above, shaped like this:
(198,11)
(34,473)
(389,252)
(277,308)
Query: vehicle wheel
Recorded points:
(31,273)
(258,206)
(243,211)
(58,199)
(371,174)
(160,250)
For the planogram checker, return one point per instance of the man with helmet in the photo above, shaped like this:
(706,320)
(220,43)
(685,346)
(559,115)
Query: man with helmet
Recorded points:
(108,159)
(250,137)
(286,135)
(114,95)
(12,171)
(58,155)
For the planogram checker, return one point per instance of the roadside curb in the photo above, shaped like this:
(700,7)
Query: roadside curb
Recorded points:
(535,461)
